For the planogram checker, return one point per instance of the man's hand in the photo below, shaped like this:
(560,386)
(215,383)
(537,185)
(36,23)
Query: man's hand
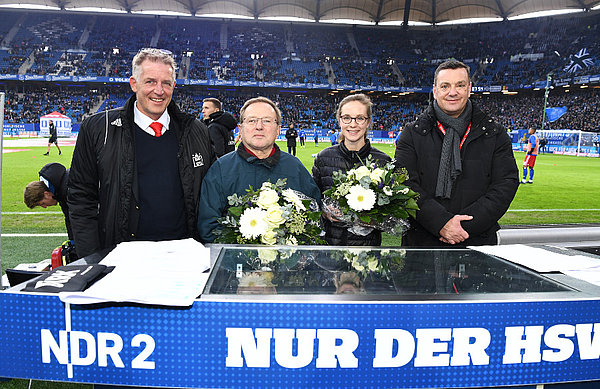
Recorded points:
(452,232)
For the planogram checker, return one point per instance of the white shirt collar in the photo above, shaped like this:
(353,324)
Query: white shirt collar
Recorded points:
(144,121)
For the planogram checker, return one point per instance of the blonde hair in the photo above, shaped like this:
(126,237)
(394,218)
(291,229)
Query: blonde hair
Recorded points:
(361,98)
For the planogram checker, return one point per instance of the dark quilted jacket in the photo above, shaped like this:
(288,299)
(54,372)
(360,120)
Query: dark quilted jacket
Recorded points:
(338,157)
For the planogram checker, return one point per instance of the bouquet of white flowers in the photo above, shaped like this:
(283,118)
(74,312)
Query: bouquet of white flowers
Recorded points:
(370,197)
(271,215)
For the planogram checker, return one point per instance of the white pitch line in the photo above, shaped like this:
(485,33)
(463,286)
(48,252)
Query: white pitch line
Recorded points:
(33,235)
(32,213)
(554,210)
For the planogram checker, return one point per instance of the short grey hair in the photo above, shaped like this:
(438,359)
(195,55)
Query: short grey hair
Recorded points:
(260,99)
(154,55)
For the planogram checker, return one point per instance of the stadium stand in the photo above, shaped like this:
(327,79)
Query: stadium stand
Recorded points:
(231,59)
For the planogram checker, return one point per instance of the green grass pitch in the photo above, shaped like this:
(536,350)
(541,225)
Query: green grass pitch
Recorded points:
(566,189)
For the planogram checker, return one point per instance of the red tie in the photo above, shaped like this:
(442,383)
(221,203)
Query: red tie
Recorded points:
(157,127)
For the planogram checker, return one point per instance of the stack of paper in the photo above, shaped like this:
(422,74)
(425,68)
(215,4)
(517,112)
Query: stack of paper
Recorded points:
(544,261)
(160,273)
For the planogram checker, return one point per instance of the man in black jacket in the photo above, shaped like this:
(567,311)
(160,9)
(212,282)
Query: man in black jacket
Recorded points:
(50,190)
(137,170)
(53,138)
(220,126)
(460,162)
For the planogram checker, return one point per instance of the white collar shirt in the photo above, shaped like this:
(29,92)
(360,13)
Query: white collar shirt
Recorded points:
(144,121)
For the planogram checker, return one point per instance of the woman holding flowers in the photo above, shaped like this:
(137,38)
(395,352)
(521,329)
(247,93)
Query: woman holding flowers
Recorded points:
(354,115)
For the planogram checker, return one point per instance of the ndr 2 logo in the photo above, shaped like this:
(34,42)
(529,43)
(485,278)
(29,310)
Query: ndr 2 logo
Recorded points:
(85,349)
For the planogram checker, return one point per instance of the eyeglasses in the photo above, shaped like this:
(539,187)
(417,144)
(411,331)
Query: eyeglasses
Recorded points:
(347,119)
(253,122)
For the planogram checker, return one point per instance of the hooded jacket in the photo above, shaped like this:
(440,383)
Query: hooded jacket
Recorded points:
(335,158)
(103,188)
(56,177)
(484,189)
(220,127)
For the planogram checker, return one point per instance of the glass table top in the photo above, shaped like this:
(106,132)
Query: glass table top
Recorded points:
(312,270)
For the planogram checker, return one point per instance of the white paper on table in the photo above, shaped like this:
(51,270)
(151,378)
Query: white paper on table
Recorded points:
(161,273)
(588,275)
(538,259)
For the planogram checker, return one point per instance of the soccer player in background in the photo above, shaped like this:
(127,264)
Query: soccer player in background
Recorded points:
(533,146)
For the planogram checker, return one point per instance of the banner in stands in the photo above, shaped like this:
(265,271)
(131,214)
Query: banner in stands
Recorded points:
(286,85)
(61,122)
(17,129)
(263,344)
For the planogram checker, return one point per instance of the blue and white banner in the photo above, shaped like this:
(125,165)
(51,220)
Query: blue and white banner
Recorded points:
(253,344)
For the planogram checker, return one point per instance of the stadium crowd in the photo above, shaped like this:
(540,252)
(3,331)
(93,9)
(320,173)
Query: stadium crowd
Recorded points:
(310,110)
(60,43)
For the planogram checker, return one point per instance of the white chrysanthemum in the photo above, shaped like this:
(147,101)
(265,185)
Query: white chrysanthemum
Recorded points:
(267,198)
(269,237)
(274,216)
(291,197)
(360,199)
(253,223)
(361,171)
(377,174)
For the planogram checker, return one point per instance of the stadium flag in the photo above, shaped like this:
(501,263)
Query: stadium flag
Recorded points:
(554,113)
(581,60)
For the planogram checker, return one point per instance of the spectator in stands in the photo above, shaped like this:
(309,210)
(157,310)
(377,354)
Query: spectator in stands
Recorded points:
(290,135)
(220,126)
(460,162)
(257,160)
(531,152)
(53,138)
(51,189)
(137,170)
(354,115)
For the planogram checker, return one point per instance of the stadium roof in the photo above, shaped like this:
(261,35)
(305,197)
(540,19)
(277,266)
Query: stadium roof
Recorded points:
(383,12)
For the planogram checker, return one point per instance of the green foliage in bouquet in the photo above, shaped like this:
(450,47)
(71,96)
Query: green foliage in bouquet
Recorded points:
(271,215)
(372,196)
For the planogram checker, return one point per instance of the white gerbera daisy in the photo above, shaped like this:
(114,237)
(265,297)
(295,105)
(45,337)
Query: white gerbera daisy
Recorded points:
(360,199)
(253,223)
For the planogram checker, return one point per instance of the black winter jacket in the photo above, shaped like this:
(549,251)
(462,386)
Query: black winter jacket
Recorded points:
(335,158)
(484,190)
(103,186)
(58,176)
(220,127)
